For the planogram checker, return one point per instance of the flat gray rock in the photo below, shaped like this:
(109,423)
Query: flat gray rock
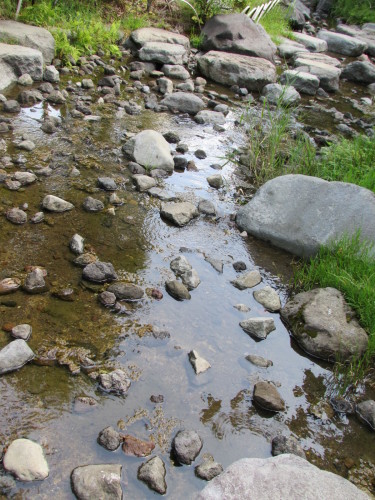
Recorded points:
(97,481)
(161,194)
(284,95)
(180,265)
(209,117)
(206,207)
(143,35)
(284,476)
(342,44)
(163,53)
(259,361)
(25,459)
(329,75)
(56,204)
(179,213)
(304,82)
(253,73)
(91,204)
(287,211)
(359,72)
(311,43)
(153,473)
(258,328)
(324,325)
(183,102)
(175,71)
(16,60)
(186,446)
(149,149)
(116,381)
(14,355)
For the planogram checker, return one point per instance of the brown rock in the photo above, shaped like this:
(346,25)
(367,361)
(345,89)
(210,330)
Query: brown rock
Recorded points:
(137,447)
(267,397)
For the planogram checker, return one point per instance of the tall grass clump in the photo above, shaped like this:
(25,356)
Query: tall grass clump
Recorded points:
(359,12)
(275,21)
(349,266)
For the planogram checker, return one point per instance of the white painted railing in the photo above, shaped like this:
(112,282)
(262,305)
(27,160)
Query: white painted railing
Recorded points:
(257,13)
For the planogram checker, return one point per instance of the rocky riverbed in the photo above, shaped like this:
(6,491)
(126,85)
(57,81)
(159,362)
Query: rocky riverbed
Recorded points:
(129,289)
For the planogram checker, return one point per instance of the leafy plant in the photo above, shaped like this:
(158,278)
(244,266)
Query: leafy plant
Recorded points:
(359,12)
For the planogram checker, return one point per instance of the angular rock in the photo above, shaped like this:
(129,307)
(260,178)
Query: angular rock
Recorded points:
(161,194)
(199,364)
(179,213)
(359,72)
(190,279)
(296,225)
(165,85)
(285,476)
(183,102)
(175,71)
(107,183)
(249,280)
(34,282)
(258,328)
(25,459)
(267,397)
(164,53)
(324,325)
(180,265)
(26,145)
(269,298)
(366,412)
(283,444)
(25,80)
(126,291)
(306,83)
(21,332)
(97,481)
(109,438)
(51,74)
(237,33)
(116,381)
(85,259)
(16,216)
(99,272)
(91,204)
(177,290)
(15,355)
(252,73)
(29,36)
(328,74)
(153,473)
(186,446)
(144,182)
(208,469)
(206,207)
(342,44)
(217,264)
(77,244)
(24,178)
(259,361)
(55,204)
(150,149)
(283,95)
(311,43)
(136,447)
(11,106)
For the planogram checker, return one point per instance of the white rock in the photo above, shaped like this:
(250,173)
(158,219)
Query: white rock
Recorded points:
(25,459)
(268,298)
(199,364)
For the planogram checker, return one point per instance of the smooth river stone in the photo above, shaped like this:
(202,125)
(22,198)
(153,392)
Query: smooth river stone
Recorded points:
(25,459)
(14,355)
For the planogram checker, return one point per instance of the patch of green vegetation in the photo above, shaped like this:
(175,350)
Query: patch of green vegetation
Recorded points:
(276,24)
(196,40)
(359,12)
(349,266)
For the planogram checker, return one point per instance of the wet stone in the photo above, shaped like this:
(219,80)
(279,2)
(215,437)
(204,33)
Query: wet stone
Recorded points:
(177,290)
(268,298)
(107,183)
(171,137)
(161,194)
(12,185)
(206,207)
(22,331)
(259,361)
(284,444)
(27,145)
(366,412)
(77,244)
(7,483)
(16,216)
(199,364)
(180,265)
(186,446)
(180,162)
(99,272)
(208,469)
(136,447)
(109,438)
(190,279)
(156,294)
(157,399)
(200,154)
(15,355)
(85,259)
(116,381)
(249,280)
(242,308)
(215,181)
(153,473)
(11,106)
(34,282)
(25,459)
(83,404)
(258,328)
(92,205)
(267,397)
(179,213)
(107,299)
(97,481)
(126,291)
(218,265)
(9,285)
(144,182)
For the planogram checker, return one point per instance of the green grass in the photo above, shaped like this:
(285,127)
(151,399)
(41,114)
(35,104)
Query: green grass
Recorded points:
(359,12)
(349,266)
(276,24)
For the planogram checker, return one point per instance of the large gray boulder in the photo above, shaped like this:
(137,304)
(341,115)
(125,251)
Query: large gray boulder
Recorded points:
(359,72)
(364,34)
(16,61)
(300,213)
(14,355)
(284,476)
(237,33)
(342,44)
(184,102)
(97,481)
(29,36)
(235,69)
(151,150)
(324,325)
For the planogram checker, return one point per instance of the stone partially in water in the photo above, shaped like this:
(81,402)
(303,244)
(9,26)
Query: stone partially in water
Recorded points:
(259,361)
(25,459)
(267,397)
(9,285)
(268,298)
(14,355)
(107,183)
(206,207)
(149,149)
(190,279)
(258,328)
(109,438)
(99,272)
(56,204)
(186,446)
(366,412)
(144,182)
(180,265)
(215,181)
(126,291)
(91,204)
(177,290)
(153,473)
(16,216)
(116,381)
(249,280)
(85,259)
(97,481)
(108,299)
(284,444)
(21,331)
(199,364)
(136,447)
(77,244)
(179,213)
(34,282)
(208,469)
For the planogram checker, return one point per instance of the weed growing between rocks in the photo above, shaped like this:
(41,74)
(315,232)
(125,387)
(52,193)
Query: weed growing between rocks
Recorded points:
(349,266)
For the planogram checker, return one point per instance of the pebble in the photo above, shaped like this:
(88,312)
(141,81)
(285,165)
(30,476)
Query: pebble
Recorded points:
(35,282)
(107,299)
(99,481)
(268,298)
(16,216)
(76,244)
(200,154)
(56,204)
(22,331)
(208,469)
(177,290)
(99,272)
(199,364)
(267,397)
(92,205)
(107,183)
(9,285)
(259,361)
(116,381)
(249,280)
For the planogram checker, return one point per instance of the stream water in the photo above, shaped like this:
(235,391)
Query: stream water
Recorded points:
(38,402)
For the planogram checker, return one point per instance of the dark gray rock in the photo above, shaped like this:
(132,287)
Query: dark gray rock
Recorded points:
(92,204)
(153,473)
(306,83)
(359,72)
(342,44)
(30,97)
(186,446)
(267,397)
(126,291)
(237,33)
(109,438)
(287,212)
(107,299)
(180,162)
(208,469)
(107,183)
(215,181)
(366,412)
(97,481)
(324,325)
(14,355)
(177,290)
(287,444)
(99,272)
(11,106)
